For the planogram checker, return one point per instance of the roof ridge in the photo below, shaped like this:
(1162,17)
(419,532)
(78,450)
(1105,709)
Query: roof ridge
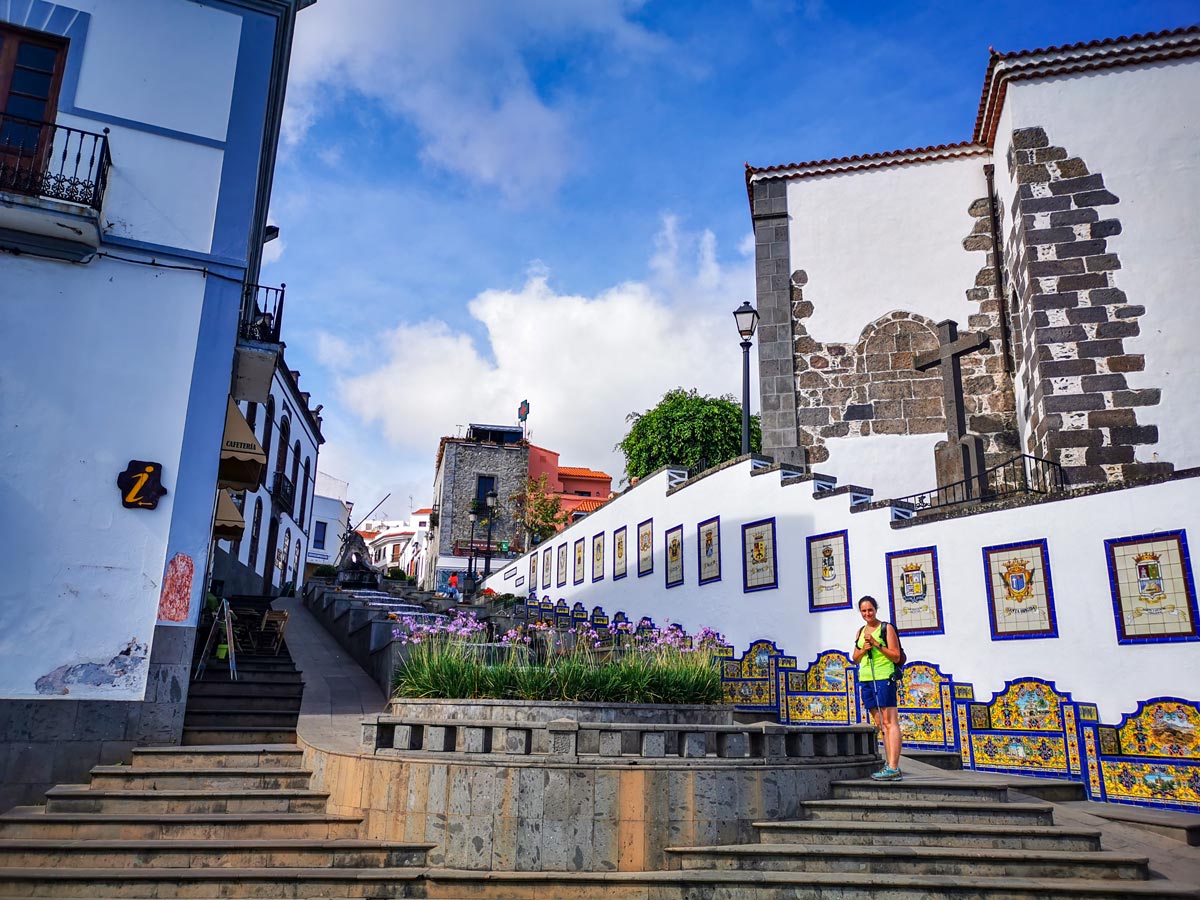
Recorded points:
(1099,42)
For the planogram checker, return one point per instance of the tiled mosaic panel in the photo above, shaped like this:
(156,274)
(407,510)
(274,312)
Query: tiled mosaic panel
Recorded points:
(1027,706)
(1015,612)
(597,557)
(920,687)
(674,540)
(561,574)
(709,550)
(533,570)
(619,557)
(814,709)
(1167,784)
(1035,752)
(1165,728)
(922,728)
(914,592)
(546,573)
(577,569)
(1152,588)
(828,672)
(828,568)
(759,554)
(645,539)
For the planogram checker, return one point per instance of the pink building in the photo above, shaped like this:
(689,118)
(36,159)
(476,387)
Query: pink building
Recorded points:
(580,489)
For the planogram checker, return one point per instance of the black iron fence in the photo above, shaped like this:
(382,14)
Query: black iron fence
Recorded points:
(1022,474)
(262,313)
(284,493)
(53,161)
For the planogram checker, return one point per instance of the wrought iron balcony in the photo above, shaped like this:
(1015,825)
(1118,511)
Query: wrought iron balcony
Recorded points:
(1023,474)
(284,493)
(262,313)
(42,159)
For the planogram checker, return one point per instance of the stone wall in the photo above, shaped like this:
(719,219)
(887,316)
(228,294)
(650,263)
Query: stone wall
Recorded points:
(462,462)
(1072,319)
(57,741)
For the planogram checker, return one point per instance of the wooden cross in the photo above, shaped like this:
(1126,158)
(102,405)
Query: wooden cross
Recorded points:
(960,457)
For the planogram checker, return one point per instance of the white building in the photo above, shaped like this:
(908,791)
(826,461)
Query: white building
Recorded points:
(401,545)
(139,146)
(330,521)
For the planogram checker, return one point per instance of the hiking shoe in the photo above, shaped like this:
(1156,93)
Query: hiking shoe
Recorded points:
(887,773)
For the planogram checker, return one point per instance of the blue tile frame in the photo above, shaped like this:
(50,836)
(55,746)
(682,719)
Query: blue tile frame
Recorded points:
(700,579)
(560,576)
(598,575)
(1052,630)
(623,531)
(650,568)
(844,534)
(937,591)
(578,562)
(678,532)
(746,589)
(1180,535)
(547,567)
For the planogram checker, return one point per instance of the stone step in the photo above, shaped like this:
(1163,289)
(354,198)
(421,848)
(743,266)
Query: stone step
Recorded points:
(201,736)
(237,756)
(741,884)
(260,778)
(253,853)
(943,759)
(920,789)
(929,834)
(245,686)
(232,700)
(271,674)
(82,799)
(880,810)
(210,882)
(911,860)
(35,823)
(262,719)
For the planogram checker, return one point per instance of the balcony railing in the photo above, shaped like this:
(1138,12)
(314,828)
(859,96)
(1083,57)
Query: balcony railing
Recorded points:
(262,313)
(1022,474)
(284,493)
(53,161)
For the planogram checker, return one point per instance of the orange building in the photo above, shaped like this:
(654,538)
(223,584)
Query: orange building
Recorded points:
(581,490)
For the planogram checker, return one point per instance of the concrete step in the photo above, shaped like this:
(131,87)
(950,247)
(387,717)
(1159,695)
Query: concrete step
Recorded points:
(929,834)
(257,674)
(233,700)
(264,720)
(237,756)
(35,823)
(943,759)
(254,853)
(740,885)
(1176,824)
(246,686)
(920,789)
(82,799)
(880,810)
(260,778)
(210,882)
(911,860)
(200,736)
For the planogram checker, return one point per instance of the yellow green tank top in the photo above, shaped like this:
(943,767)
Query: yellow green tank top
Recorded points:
(874,665)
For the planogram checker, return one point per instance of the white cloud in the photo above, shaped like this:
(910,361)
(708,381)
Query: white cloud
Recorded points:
(582,362)
(464,80)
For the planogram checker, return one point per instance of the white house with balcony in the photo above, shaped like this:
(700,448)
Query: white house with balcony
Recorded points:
(137,147)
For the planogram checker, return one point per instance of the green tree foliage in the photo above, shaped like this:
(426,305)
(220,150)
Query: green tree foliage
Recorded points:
(537,509)
(688,430)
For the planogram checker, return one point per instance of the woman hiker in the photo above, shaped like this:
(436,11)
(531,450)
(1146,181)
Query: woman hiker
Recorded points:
(877,652)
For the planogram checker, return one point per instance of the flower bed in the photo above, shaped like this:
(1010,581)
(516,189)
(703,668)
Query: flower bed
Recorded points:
(451,660)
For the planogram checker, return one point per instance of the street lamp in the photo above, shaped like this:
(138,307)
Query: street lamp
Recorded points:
(746,317)
(471,560)
(490,499)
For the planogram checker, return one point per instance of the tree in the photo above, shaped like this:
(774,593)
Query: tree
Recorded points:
(537,509)
(687,430)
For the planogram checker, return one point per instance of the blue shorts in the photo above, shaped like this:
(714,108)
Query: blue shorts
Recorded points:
(877,694)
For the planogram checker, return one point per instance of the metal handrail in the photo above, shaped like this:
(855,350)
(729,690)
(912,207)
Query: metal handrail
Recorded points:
(262,313)
(1022,474)
(53,161)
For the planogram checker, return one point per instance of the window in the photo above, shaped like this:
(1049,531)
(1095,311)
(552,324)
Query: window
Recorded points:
(395,552)
(285,433)
(296,562)
(483,485)
(319,535)
(251,415)
(31,68)
(303,489)
(268,427)
(296,466)
(256,526)
(287,542)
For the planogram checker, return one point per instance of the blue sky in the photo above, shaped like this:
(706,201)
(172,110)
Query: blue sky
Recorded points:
(483,201)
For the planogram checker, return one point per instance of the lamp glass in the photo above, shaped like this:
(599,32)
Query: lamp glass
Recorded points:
(746,317)
(490,497)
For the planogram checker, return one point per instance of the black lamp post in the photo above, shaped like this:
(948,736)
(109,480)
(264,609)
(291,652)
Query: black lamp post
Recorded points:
(471,561)
(490,499)
(746,317)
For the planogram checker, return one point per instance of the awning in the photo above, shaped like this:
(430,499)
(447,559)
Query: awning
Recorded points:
(229,523)
(242,457)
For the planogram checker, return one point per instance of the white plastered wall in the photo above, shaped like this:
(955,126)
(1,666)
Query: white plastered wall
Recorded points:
(1135,127)
(1085,660)
(82,572)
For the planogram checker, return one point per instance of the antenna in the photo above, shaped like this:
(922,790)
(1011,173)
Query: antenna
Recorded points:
(373,508)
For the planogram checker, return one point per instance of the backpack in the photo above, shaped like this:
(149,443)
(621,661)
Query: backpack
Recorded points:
(898,674)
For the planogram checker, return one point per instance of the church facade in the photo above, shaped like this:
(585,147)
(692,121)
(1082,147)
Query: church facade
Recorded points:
(1084,177)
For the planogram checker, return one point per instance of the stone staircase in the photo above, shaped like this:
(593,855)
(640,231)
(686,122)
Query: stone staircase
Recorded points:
(198,822)
(933,838)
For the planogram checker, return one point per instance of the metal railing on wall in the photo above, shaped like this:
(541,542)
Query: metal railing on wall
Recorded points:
(1023,474)
(53,161)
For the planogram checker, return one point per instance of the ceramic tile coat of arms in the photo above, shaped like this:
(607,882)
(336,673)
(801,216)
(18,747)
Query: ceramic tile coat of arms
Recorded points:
(914,591)
(758,556)
(1154,598)
(619,556)
(577,570)
(533,563)
(1020,591)
(673,539)
(708,550)
(547,574)
(829,571)
(645,547)
(561,574)
(598,556)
